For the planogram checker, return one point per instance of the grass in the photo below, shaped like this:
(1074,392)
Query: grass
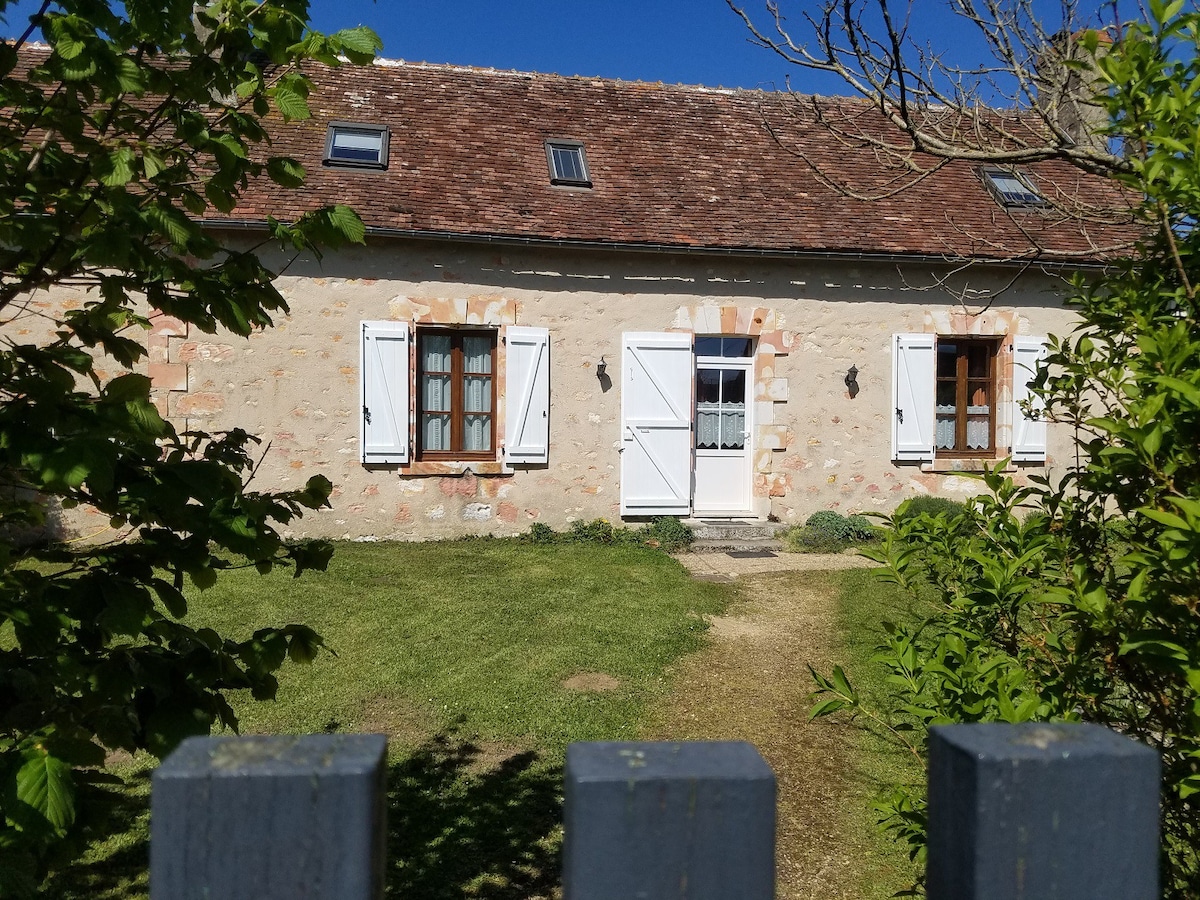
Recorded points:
(458,652)
(881,761)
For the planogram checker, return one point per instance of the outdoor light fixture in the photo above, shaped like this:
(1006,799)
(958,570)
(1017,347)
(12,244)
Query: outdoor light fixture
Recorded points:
(601,367)
(852,382)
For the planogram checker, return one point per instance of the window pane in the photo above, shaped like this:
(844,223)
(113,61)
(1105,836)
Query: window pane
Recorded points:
(435,432)
(736,348)
(435,392)
(978,395)
(945,430)
(708,346)
(708,428)
(358,145)
(978,433)
(477,354)
(435,353)
(708,386)
(733,387)
(477,433)
(978,357)
(947,392)
(733,429)
(568,163)
(947,359)
(477,394)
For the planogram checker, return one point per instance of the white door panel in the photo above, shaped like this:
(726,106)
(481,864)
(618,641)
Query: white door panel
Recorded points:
(656,424)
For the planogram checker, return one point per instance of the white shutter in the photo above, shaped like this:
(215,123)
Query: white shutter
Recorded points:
(913,386)
(1029,435)
(656,424)
(384,379)
(527,395)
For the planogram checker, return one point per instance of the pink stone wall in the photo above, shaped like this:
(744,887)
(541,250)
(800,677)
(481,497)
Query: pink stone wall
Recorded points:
(297,384)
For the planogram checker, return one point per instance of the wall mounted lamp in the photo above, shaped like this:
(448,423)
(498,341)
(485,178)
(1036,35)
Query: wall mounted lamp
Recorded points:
(852,381)
(601,367)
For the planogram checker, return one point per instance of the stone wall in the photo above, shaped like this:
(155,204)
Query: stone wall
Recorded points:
(816,447)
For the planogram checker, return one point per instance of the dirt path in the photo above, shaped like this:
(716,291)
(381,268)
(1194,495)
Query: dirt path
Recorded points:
(752,683)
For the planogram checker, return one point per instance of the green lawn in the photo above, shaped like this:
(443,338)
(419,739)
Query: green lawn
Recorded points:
(458,651)
(880,760)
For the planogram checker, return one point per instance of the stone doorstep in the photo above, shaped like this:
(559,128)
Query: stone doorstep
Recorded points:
(726,545)
(734,530)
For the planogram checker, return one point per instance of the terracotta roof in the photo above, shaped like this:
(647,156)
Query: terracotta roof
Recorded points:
(671,165)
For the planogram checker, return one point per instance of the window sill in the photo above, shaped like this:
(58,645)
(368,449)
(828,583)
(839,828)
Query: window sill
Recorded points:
(965,464)
(449,467)
(950,464)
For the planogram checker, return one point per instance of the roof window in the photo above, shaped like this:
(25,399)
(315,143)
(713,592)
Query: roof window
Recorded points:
(1012,188)
(568,165)
(361,146)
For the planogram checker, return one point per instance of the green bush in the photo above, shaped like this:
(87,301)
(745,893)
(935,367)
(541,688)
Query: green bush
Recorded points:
(597,531)
(846,529)
(668,533)
(827,531)
(540,533)
(665,533)
(806,539)
(928,505)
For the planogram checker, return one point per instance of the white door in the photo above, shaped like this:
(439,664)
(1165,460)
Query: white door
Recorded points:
(722,436)
(656,424)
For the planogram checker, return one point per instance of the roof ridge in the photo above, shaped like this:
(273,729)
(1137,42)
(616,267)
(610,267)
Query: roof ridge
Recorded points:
(384,62)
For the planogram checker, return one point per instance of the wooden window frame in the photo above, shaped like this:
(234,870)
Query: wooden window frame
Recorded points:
(456,411)
(962,382)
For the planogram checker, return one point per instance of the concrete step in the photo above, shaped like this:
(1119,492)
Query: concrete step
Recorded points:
(736,545)
(734,529)
(735,535)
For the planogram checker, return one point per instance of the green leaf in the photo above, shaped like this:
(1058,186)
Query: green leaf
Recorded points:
(203,577)
(359,44)
(826,707)
(128,387)
(116,169)
(44,782)
(171,224)
(291,104)
(346,223)
(285,171)
(172,598)
(144,416)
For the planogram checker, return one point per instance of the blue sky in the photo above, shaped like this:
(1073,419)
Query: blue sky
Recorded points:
(683,41)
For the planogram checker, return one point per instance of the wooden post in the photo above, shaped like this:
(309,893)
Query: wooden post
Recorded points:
(662,820)
(1041,812)
(270,818)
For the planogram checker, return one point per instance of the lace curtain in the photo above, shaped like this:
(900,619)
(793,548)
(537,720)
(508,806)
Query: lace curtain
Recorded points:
(720,426)
(978,430)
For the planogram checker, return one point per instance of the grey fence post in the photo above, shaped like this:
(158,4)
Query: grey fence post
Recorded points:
(1041,812)
(269,818)
(661,820)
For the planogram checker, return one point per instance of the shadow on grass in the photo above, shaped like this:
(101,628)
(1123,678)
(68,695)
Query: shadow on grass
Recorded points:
(463,821)
(459,827)
(116,856)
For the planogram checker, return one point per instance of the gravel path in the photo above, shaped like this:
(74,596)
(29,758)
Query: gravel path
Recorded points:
(752,683)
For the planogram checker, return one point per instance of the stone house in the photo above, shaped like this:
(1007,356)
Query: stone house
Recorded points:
(582,298)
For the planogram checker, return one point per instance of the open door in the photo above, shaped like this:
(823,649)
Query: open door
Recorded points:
(656,424)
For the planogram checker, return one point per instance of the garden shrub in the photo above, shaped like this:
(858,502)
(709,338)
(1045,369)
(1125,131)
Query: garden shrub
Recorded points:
(669,534)
(925,504)
(665,533)
(827,531)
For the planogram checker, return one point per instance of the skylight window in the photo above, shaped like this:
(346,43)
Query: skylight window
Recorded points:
(1012,188)
(363,146)
(567,163)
